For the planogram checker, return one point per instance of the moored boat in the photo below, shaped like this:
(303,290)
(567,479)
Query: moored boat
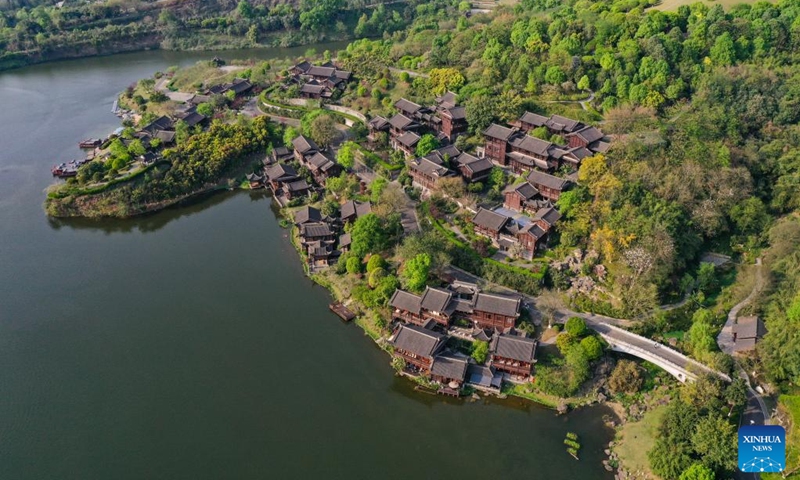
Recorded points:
(90,143)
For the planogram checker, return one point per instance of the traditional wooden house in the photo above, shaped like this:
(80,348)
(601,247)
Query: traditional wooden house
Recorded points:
(584,137)
(437,304)
(376,125)
(513,354)
(497,138)
(473,169)
(297,188)
(321,167)
(313,232)
(255,180)
(546,218)
(531,238)
(279,175)
(521,198)
(528,121)
(558,125)
(527,152)
(407,307)
(549,187)
(319,253)
(417,346)
(280,154)
(489,223)
(300,68)
(192,118)
(345,240)
(426,171)
(401,124)
(406,143)
(494,311)
(408,108)
(351,210)
(449,370)
(746,333)
(315,90)
(308,215)
(484,378)
(304,147)
(452,118)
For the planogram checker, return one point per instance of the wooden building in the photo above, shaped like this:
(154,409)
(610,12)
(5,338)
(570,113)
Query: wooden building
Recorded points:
(473,169)
(489,223)
(549,186)
(513,354)
(449,370)
(407,307)
(351,210)
(497,138)
(278,175)
(746,333)
(406,143)
(255,180)
(427,171)
(494,311)
(417,346)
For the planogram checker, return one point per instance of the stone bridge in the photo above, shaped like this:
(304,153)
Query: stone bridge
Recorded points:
(678,365)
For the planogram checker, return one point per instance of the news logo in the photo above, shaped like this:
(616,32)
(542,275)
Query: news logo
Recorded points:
(762,448)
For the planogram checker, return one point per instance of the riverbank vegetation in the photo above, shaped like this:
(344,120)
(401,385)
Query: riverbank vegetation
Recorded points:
(42,31)
(207,160)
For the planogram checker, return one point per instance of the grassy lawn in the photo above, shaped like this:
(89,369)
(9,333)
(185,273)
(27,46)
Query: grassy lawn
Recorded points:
(674,4)
(789,406)
(635,439)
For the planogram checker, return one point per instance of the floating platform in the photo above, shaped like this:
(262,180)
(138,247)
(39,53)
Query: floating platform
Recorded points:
(343,312)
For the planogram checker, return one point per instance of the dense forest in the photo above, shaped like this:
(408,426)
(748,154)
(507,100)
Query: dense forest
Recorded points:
(34,31)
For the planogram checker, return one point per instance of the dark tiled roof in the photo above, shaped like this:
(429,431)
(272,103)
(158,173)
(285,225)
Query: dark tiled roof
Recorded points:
(378,123)
(281,152)
(529,160)
(406,301)
(165,136)
(297,186)
(436,300)
(345,240)
(498,131)
(304,145)
(549,215)
(532,145)
(483,376)
(448,98)
(161,123)
(456,113)
(417,340)
(342,75)
(409,139)
(533,119)
(351,208)
(429,167)
(193,118)
(449,150)
(315,230)
(240,85)
(280,172)
(489,219)
(407,106)
(557,122)
(498,304)
(302,66)
(534,230)
(254,177)
(525,190)
(474,164)
(449,367)
(312,88)
(599,146)
(514,347)
(401,122)
(749,327)
(307,214)
(580,152)
(541,178)
(588,134)
(321,162)
(321,71)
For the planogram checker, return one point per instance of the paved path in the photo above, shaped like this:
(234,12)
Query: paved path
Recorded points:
(725,338)
(410,73)
(584,103)
(612,330)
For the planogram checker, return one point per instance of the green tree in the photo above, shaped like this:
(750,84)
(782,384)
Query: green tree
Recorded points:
(480,350)
(415,272)
(723,52)
(707,278)
(444,79)
(626,378)
(697,471)
(576,326)
(593,347)
(715,441)
(288,135)
(346,155)
(375,262)
(368,235)
(375,276)
(354,265)
(426,145)
(323,130)
(583,83)
(136,148)
(205,109)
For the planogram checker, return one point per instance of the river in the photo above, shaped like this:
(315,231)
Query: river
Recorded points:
(188,344)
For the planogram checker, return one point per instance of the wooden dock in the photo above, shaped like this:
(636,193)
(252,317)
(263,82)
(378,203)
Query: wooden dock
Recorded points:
(343,312)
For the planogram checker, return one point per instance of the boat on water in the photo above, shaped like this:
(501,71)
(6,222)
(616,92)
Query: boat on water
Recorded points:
(90,143)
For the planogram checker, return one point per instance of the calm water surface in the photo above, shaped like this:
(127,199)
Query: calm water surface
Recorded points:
(189,345)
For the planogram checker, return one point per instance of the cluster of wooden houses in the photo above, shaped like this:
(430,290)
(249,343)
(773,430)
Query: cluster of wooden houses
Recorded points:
(317,81)
(515,148)
(446,119)
(423,321)
(284,180)
(321,237)
(448,161)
